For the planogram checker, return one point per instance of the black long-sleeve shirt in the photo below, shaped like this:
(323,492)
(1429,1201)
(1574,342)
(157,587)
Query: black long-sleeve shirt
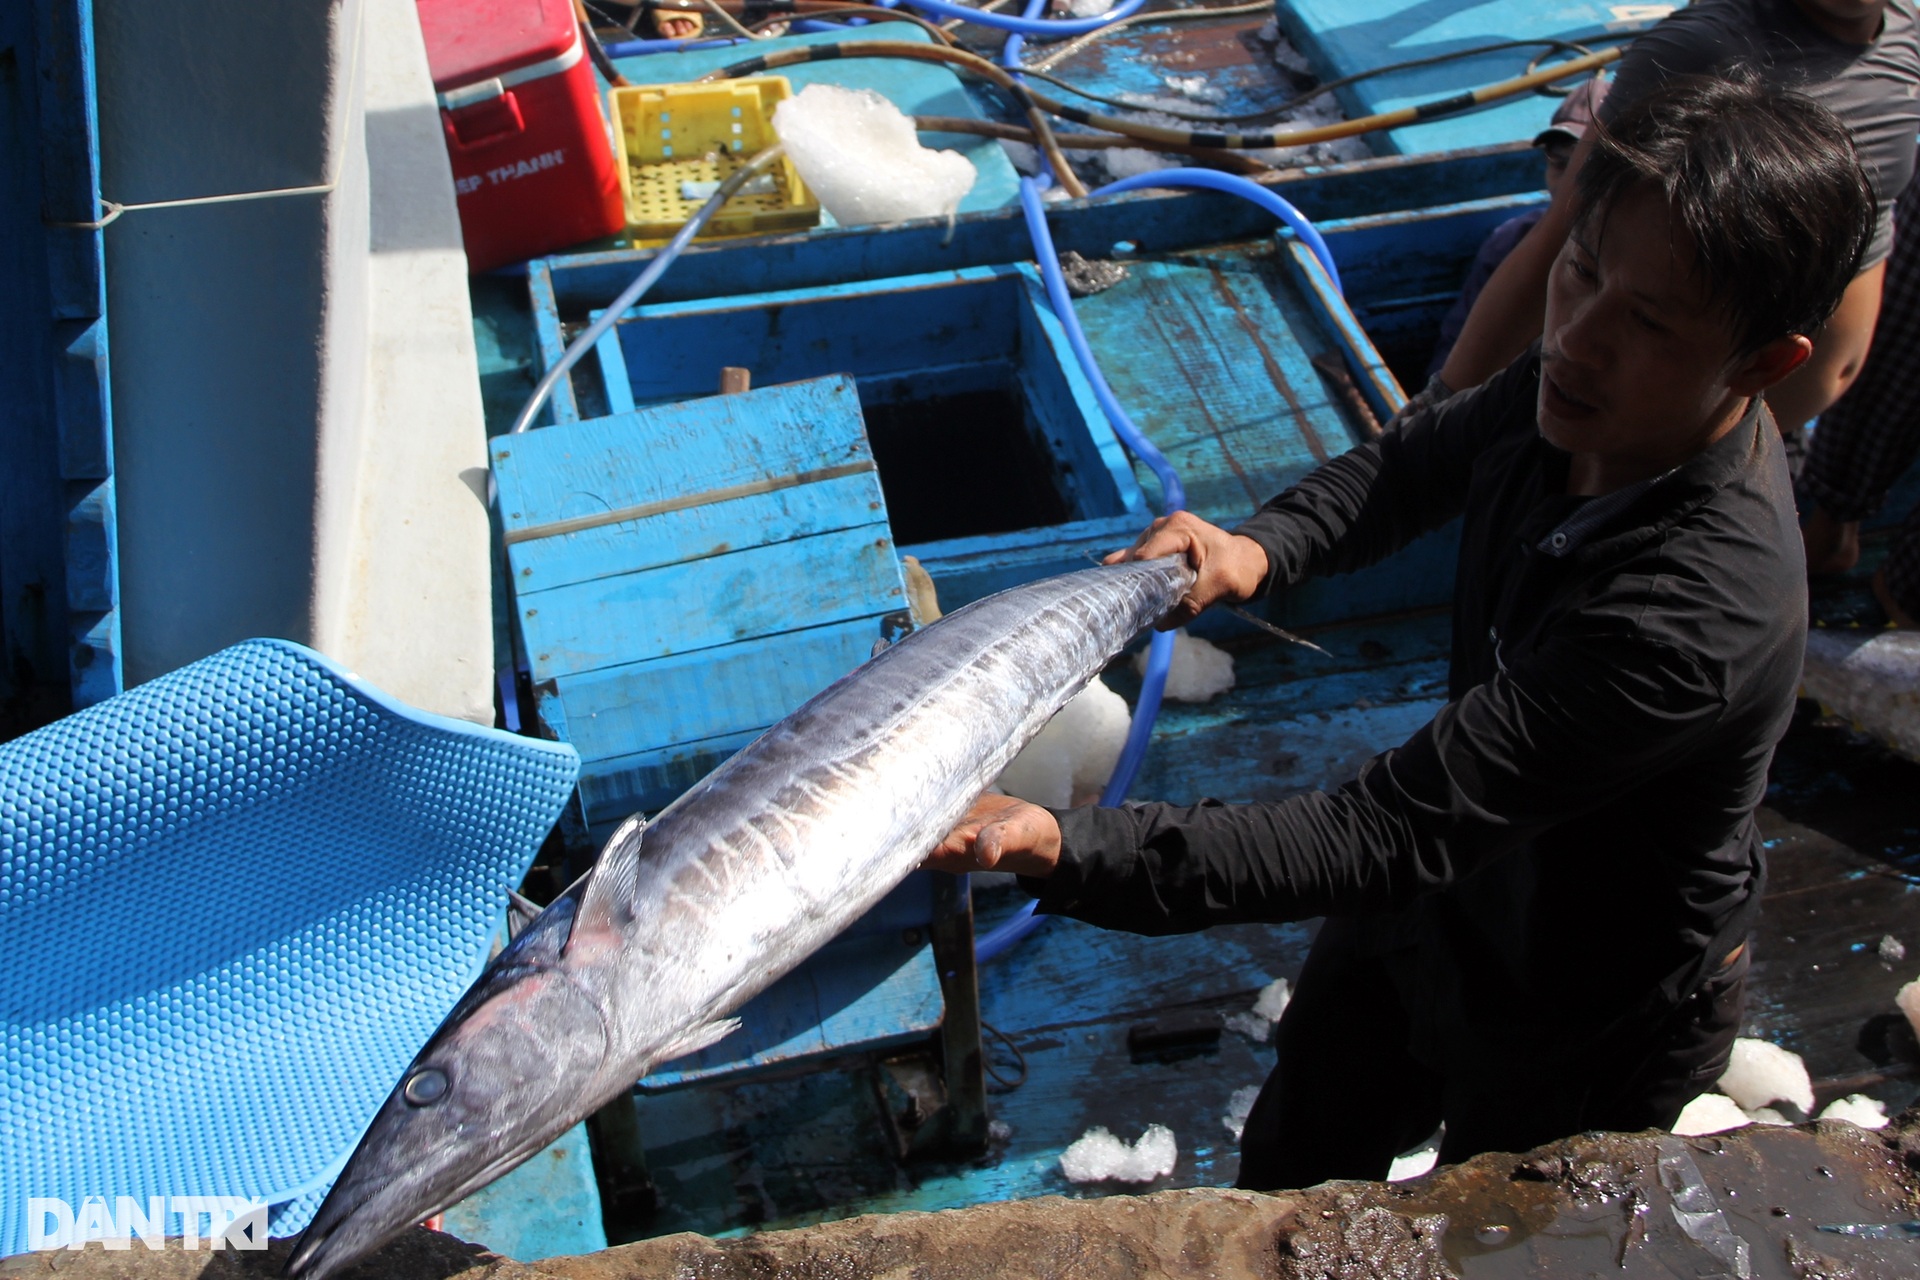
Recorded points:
(1570,842)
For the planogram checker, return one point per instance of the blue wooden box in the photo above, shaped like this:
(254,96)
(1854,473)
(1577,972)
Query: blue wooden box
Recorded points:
(684,576)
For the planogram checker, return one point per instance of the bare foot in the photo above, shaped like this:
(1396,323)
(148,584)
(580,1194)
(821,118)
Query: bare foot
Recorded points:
(1895,614)
(672,24)
(1833,546)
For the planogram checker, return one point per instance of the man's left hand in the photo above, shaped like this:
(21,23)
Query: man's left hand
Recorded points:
(1000,833)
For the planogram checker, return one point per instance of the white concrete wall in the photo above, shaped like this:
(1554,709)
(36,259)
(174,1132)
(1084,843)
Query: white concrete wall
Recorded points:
(294,385)
(408,602)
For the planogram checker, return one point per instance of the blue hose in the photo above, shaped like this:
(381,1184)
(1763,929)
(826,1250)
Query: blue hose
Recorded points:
(1028,26)
(1173,498)
(1233,184)
(637,48)
(1010,932)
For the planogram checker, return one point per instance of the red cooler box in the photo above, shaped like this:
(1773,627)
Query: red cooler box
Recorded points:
(532,160)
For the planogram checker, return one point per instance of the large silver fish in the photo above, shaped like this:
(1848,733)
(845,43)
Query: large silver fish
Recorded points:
(740,879)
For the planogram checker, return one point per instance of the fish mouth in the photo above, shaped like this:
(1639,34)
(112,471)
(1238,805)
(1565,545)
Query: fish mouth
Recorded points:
(325,1251)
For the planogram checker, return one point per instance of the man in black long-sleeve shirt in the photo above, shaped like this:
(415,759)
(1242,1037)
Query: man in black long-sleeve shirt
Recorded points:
(1537,907)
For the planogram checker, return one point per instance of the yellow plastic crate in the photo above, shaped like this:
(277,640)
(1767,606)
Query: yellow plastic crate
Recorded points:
(674,141)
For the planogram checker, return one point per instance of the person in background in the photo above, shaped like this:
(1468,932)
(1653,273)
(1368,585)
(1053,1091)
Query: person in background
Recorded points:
(1871,436)
(1556,142)
(1537,908)
(1859,58)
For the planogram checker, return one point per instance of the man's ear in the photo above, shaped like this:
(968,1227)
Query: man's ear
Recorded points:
(1770,364)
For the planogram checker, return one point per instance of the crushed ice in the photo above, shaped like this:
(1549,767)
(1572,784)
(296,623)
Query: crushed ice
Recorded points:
(1760,1074)
(859,153)
(1239,1107)
(1200,670)
(1098,1156)
(1069,760)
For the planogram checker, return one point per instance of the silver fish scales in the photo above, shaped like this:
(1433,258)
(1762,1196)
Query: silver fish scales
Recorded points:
(685,919)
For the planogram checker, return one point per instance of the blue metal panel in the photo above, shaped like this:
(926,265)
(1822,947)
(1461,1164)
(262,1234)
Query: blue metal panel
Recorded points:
(1342,37)
(917,88)
(55,489)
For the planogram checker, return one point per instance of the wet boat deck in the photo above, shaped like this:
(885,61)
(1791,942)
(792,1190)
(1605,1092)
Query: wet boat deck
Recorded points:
(1843,826)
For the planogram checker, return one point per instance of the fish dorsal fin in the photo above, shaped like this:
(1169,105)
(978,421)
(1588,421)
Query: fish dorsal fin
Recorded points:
(607,901)
(707,1033)
(521,912)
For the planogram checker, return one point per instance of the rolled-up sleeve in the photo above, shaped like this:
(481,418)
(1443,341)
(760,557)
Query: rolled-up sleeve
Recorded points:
(1563,732)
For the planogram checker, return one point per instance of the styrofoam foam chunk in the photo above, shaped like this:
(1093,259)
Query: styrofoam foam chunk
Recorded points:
(1273,1000)
(1710,1113)
(861,156)
(1857,1108)
(1098,1156)
(1908,998)
(1413,1164)
(1088,8)
(1069,760)
(1761,1073)
(1200,670)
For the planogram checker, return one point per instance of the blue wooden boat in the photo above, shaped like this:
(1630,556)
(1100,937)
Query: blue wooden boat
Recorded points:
(892,365)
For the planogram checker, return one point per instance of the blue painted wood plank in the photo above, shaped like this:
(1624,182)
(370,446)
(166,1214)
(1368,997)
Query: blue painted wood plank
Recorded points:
(832,577)
(1377,384)
(550,344)
(549,1207)
(1213,365)
(648,780)
(1157,222)
(916,88)
(652,455)
(613,371)
(967,569)
(698,532)
(868,993)
(1340,37)
(1099,474)
(693,696)
(864,329)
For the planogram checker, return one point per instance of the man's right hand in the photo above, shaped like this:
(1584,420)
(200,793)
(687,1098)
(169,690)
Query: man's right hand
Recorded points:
(1226,566)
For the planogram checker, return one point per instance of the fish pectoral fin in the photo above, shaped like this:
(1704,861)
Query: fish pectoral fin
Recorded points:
(699,1038)
(607,901)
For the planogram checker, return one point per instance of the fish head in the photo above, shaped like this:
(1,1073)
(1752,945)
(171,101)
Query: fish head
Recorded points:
(502,1078)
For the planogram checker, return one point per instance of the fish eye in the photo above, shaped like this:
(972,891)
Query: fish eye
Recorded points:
(425,1087)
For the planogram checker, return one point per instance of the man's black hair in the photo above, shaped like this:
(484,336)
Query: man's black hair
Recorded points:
(1766,185)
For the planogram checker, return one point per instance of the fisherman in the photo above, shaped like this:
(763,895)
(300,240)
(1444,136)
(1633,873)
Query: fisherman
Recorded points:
(1859,58)
(1537,908)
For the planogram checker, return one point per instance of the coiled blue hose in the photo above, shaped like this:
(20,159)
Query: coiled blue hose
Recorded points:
(1010,932)
(1027,25)
(1233,184)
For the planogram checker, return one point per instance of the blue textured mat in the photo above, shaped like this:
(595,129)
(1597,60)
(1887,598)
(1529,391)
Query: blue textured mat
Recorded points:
(233,903)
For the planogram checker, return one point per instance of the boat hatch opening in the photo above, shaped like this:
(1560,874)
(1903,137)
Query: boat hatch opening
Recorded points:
(961,456)
(980,423)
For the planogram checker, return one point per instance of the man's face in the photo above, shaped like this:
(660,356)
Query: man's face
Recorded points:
(1638,368)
